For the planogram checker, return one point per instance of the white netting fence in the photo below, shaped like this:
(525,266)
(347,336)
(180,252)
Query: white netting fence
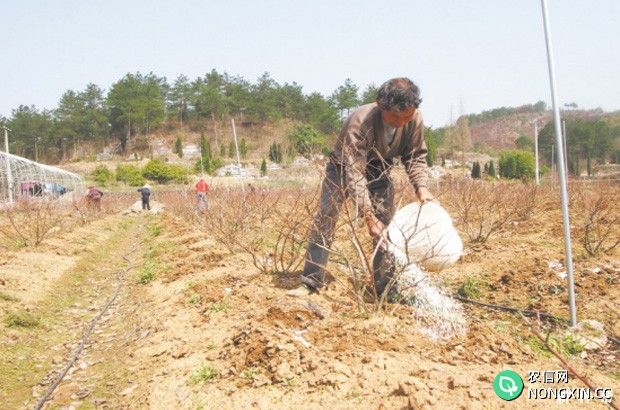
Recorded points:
(22,178)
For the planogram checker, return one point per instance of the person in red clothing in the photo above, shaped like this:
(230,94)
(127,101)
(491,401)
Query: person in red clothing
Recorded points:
(201,195)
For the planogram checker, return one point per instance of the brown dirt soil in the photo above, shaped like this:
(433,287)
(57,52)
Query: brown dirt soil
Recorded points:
(210,331)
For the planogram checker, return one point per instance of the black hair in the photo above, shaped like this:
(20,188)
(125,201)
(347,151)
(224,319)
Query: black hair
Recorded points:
(399,93)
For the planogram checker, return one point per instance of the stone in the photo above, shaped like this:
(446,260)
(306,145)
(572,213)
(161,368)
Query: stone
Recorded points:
(129,390)
(283,371)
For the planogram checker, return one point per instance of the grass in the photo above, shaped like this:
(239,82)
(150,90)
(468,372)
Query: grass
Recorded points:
(17,244)
(354,394)
(161,248)
(147,273)
(565,345)
(155,249)
(53,312)
(204,374)
(220,306)
(195,298)
(7,298)
(251,373)
(155,230)
(473,288)
(21,319)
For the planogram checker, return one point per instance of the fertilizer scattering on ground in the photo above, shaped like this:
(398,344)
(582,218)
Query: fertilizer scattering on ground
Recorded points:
(439,316)
(423,235)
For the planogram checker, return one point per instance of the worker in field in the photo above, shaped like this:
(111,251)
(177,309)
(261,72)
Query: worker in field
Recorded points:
(359,168)
(145,192)
(93,198)
(202,188)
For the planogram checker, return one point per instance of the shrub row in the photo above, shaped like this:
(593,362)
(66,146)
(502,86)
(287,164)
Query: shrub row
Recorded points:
(154,170)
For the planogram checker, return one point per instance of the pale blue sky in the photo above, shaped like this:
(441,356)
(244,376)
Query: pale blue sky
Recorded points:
(477,54)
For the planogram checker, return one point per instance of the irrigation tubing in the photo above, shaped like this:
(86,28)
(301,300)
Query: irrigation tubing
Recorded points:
(120,276)
(525,312)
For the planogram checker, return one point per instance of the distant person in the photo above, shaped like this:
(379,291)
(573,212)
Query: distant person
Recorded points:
(202,188)
(359,167)
(146,196)
(93,198)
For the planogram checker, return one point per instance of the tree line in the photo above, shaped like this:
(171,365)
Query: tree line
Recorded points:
(139,104)
(587,141)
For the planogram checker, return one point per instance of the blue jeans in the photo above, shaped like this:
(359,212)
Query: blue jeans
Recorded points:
(333,194)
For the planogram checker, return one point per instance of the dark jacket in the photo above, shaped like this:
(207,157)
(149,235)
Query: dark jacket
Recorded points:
(146,193)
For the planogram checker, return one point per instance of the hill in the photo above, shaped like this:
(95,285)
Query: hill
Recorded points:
(499,128)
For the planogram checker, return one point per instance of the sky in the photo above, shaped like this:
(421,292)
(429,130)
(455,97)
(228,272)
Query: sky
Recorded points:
(466,56)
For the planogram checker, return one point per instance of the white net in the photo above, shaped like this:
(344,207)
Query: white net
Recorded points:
(22,178)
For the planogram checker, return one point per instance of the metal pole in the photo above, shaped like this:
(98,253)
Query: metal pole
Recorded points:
(536,152)
(232,120)
(564,147)
(9,176)
(561,165)
(553,161)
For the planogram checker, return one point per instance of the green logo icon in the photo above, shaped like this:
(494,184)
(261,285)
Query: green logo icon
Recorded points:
(508,385)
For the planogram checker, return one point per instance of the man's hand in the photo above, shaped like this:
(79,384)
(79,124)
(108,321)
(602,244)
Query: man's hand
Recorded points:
(376,228)
(424,195)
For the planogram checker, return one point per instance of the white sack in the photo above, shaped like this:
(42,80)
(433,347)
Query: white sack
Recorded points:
(424,234)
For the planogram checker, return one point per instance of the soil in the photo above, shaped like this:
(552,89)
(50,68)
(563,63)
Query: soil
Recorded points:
(208,330)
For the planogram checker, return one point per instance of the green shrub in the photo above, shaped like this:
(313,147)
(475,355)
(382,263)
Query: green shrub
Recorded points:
(516,165)
(102,175)
(161,172)
(306,140)
(130,174)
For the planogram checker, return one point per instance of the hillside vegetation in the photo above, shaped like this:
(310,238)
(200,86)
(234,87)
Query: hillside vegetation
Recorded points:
(146,115)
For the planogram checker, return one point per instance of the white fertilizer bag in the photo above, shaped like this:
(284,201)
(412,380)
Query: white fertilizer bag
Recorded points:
(424,234)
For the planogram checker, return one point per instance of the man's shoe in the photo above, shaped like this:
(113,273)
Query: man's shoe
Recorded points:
(301,291)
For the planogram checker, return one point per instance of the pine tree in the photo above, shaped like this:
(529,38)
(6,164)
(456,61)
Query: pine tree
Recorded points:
(231,149)
(275,153)
(429,160)
(486,168)
(243,148)
(278,153)
(475,170)
(178,147)
(263,168)
(492,170)
(204,146)
(222,150)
